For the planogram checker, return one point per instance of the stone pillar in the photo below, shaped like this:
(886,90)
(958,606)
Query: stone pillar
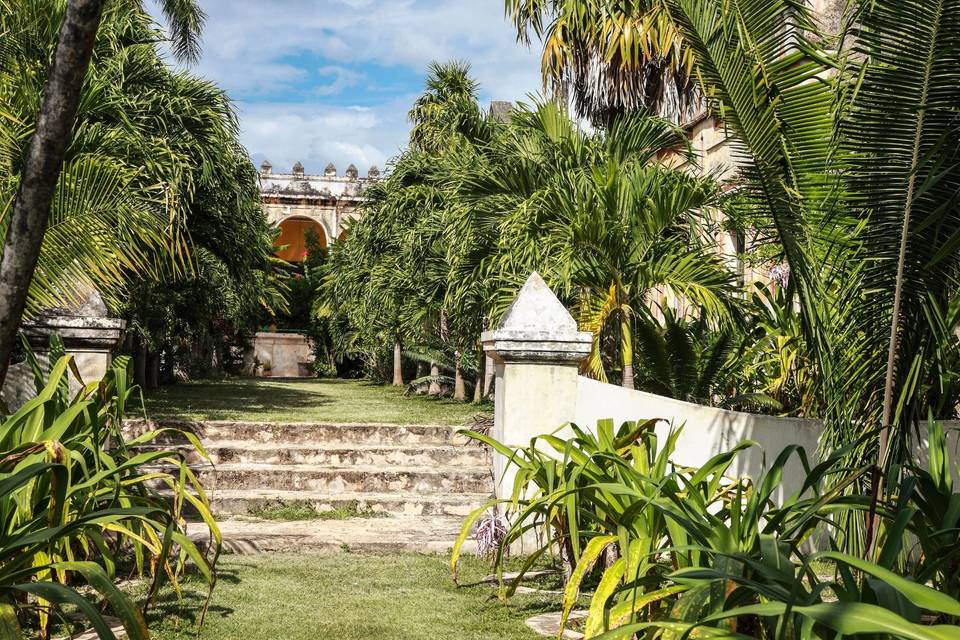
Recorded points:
(537,351)
(89,334)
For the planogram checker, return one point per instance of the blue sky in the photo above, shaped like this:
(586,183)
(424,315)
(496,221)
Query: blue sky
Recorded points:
(331,80)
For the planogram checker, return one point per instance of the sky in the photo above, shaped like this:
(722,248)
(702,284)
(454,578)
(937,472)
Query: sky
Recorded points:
(332,80)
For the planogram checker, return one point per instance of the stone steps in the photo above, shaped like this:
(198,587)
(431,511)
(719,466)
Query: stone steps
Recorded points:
(373,535)
(245,501)
(306,433)
(413,483)
(378,479)
(336,454)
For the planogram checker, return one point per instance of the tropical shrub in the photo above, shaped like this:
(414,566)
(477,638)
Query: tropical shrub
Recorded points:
(691,552)
(78,507)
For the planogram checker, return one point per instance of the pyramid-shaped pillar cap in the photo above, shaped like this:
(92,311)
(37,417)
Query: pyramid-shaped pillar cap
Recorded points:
(537,328)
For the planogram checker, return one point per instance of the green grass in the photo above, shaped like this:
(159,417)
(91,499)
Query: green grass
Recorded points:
(304,400)
(347,597)
(297,510)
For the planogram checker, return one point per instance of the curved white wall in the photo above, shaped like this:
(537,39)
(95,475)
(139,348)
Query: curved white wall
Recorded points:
(707,431)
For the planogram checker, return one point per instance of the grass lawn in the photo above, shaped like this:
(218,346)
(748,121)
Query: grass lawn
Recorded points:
(304,400)
(347,597)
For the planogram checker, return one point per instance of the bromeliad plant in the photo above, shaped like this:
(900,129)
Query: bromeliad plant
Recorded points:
(692,553)
(77,504)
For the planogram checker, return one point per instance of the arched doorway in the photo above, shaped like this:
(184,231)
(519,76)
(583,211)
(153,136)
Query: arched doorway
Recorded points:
(293,238)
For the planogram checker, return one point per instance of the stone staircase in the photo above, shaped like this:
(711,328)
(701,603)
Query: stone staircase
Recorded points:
(412,484)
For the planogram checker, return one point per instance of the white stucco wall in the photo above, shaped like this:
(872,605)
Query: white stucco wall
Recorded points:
(707,431)
(538,350)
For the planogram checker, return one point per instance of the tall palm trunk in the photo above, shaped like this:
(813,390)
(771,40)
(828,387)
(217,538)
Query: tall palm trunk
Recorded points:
(434,389)
(626,349)
(42,166)
(397,364)
(478,381)
(459,386)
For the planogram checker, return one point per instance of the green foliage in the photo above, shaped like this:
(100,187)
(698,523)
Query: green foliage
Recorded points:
(690,552)
(857,186)
(77,504)
(158,204)
(612,57)
(116,211)
(447,238)
(693,361)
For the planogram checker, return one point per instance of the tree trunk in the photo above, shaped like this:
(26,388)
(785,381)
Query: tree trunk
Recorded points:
(626,350)
(434,383)
(397,364)
(42,166)
(489,373)
(140,364)
(478,381)
(459,386)
(153,371)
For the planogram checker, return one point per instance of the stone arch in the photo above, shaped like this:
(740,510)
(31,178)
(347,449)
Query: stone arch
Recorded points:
(293,234)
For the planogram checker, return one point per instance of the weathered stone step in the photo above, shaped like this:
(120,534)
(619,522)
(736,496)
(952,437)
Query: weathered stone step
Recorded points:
(305,433)
(419,534)
(355,479)
(243,501)
(339,455)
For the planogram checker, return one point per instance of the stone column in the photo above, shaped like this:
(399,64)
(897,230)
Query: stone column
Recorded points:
(89,334)
(537,351)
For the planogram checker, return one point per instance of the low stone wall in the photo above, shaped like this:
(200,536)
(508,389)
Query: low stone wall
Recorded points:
(537,350)
(707,431)
(282,355)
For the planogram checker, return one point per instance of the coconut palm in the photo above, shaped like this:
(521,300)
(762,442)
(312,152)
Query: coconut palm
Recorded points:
(853,157)
(610,56)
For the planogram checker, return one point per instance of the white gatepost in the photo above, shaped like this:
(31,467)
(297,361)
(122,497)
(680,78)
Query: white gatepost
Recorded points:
(537,350)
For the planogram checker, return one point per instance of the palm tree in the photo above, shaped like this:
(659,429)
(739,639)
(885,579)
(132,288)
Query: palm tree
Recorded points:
(610,56)
(599,217)
(26,224)
(851,148)
(448,101)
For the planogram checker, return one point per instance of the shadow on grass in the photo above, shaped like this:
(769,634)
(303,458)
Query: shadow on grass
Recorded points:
(183,610)
(305,400)
(222,401)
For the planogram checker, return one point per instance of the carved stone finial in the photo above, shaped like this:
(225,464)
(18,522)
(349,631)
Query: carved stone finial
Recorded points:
(538,328)
(500,110)
(266,168)
(298,169)
(373,173)
(331,170)
(352,172)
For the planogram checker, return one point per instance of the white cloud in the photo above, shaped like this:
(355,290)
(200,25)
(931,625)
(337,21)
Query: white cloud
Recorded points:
(252,47)
(287,133)
(342,79)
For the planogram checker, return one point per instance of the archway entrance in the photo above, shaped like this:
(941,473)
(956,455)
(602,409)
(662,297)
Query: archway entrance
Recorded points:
(292,243)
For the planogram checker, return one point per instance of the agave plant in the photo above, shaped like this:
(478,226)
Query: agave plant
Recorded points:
(77,502)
